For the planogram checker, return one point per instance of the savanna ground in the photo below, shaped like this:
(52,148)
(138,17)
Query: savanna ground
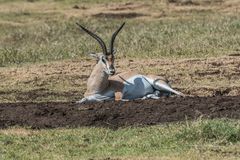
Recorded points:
(44,67)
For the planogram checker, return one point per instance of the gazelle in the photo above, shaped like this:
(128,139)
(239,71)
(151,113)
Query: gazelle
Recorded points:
(102,85)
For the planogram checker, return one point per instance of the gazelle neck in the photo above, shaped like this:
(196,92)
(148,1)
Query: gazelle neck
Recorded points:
(98,80)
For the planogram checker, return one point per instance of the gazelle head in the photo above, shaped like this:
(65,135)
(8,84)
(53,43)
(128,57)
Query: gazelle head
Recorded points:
(106,58)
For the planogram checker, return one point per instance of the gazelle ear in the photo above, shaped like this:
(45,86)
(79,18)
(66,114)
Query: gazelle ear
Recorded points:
(94,55)
(114,51)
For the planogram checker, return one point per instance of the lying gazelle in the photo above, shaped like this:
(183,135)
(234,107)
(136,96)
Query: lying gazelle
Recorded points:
(123,86)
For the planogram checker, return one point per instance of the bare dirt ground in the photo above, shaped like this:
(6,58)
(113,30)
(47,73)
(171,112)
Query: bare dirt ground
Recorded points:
(117,114)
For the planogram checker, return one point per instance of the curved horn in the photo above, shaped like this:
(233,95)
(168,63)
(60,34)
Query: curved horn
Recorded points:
(113,38)
(100,41)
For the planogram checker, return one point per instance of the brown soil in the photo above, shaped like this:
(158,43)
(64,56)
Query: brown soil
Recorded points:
(119,15)
(117,114)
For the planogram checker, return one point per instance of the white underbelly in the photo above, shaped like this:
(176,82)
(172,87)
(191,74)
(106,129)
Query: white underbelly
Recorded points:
(136,87)
(109,95)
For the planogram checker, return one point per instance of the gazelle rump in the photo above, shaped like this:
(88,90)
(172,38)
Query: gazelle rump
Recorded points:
(104,85)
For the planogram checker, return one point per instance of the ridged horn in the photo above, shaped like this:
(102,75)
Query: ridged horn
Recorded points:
(100,41)
(113,38)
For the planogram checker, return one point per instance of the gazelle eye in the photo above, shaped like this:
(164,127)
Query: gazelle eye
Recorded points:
(104,61)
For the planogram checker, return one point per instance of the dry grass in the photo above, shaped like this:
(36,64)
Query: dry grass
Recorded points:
(151,9)
(22,132)
(66,80)
(41,31)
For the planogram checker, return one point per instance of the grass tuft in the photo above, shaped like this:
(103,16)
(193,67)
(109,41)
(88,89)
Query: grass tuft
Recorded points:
(211,131)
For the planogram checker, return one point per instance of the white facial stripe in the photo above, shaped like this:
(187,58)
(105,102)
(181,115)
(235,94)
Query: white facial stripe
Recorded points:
(105,65)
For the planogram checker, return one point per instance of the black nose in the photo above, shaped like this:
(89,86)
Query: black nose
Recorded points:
(112,72)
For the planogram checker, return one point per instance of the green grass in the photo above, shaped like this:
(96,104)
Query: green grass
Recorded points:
(162,38)
(31,36)
(166,140)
